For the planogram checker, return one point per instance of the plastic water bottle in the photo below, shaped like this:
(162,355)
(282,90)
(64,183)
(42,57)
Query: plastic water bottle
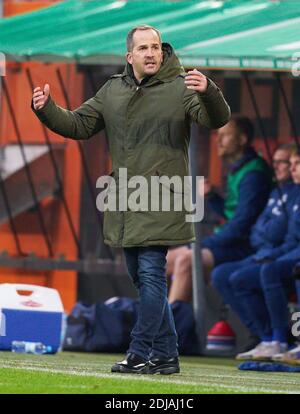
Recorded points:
(23,347)
(63,331)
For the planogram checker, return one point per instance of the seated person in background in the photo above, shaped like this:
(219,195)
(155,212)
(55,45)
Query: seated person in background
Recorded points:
(293,355)
(271,226)
(247,191)
(255,287)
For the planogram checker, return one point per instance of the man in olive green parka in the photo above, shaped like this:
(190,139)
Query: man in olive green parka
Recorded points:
(146,112)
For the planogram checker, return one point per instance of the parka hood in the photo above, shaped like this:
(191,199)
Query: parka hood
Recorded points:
(169,70)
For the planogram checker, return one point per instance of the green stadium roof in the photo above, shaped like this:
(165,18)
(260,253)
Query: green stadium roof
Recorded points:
(232,34)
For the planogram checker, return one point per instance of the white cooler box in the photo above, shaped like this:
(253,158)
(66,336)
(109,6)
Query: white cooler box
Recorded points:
(30,313)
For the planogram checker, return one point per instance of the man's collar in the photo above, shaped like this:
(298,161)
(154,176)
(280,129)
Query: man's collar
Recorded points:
(132,76)
(143,81)
(248,155)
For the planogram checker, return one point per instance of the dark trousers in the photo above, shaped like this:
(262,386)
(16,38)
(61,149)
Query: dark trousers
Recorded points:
(154,334)
(257,292)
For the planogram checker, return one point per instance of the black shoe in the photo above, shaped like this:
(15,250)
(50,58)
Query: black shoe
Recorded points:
(132,364)
(163,366)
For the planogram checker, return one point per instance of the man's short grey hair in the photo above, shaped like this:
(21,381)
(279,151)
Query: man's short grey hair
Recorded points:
(289,146)
(129,40)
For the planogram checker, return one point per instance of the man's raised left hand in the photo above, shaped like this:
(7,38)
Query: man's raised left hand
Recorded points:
(196,80)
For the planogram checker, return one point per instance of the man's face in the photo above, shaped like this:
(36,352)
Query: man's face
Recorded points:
(146,56)
(229,140)
(295,168)
(281,165)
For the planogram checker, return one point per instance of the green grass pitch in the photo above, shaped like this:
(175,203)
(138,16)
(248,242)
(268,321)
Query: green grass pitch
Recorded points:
(80,373)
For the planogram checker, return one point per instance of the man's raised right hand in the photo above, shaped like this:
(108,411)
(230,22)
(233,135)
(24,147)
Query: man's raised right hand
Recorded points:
(40,97)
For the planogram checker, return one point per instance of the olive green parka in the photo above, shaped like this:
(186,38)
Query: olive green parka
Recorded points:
(148,131)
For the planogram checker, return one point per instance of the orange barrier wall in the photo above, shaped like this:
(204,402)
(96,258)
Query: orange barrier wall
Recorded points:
(264,96)
(11,7)
(27,224)
(56,222)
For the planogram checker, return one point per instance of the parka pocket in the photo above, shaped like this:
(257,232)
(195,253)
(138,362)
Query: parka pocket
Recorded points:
(113,219)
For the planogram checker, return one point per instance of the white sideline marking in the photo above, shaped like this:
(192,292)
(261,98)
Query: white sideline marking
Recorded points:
(153,379)
(242,375)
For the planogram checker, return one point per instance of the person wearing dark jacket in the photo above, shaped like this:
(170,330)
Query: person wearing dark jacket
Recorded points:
(292,356)
(248,187)
(271,226)
(146,112)
(248,178)
(254,288)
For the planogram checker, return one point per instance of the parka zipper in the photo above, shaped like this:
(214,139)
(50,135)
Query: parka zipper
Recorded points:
(137,88)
